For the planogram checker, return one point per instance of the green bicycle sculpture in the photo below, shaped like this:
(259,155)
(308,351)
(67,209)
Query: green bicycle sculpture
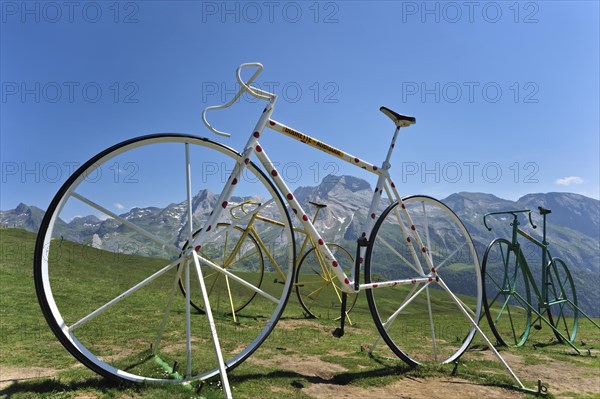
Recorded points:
(513,300)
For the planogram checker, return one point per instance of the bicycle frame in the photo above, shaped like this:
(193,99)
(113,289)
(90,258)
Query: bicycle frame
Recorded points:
(543,245)
(350,284)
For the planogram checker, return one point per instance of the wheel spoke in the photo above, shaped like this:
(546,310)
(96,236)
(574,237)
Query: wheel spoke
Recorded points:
(404,305)
(443,263)
(163,323)
(427,240)
(417,267)
(124,295)
(237,279)
(512,325)
(432,326)
(317,291)
(127,223)
(402,258)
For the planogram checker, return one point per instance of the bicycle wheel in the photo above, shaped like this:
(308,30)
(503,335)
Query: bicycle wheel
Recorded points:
(422,321)
(562,301)
(506,293)
(106,282)
(239,253)
(318,288)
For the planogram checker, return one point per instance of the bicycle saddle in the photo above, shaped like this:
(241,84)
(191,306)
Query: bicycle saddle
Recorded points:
(317,204)
(544,211)
(398,119)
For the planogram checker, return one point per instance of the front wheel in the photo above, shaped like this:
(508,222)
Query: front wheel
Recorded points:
(506,293)
(423,321)
(563,312)
(112,247)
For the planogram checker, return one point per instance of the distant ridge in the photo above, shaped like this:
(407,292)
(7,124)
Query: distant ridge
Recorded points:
(573,226)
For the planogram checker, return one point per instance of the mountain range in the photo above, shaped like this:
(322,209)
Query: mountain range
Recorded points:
(573,227)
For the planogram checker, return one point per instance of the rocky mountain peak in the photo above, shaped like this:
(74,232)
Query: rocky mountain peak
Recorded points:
(22,208)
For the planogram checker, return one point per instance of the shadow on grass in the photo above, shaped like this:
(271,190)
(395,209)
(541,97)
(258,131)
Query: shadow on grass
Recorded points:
(343,378)
(51,385)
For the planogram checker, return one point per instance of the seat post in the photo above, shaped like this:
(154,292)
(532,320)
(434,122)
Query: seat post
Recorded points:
(399,121)
(386,164)
(544,229)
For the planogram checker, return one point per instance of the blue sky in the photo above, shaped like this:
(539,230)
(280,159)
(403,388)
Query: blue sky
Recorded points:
(506,94)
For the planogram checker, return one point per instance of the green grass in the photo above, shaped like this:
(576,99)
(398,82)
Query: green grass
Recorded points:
(88,276)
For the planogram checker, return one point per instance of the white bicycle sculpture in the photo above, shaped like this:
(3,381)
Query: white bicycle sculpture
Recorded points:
(118,310)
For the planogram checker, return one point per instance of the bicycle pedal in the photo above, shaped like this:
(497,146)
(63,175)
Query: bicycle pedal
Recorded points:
(338,332)
(537,327)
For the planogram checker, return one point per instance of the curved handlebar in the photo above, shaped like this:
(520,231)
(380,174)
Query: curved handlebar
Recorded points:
(514,213)
(245,86)
(241,207)
(256,92)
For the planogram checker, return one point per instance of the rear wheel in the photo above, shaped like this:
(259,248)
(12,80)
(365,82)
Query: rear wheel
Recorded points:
(562,301)
(422,318)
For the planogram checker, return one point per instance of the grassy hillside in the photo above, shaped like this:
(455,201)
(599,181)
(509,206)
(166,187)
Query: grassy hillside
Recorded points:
(299,359)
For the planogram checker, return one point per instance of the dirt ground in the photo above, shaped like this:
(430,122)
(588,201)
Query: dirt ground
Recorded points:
(562,378)
(314,368)
(9,375)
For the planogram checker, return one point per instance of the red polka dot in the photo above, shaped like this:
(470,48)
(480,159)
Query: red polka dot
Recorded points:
(224,204)
(334,263)
(295,210)
(356,160)
(247,161)
(234,181)
(403,206)
(414,281)
(256,134)
(258,148)
(433,269)
(374,167)
(273,173)
(430,279)
(372,216)
(412,227)
(423,249)
(360,260)
(197,249)
(208,228)
(375,285)
(321,242)
(407,239)
(305,218)
(271,123)
(290,196)
(347,280)
(393,185)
